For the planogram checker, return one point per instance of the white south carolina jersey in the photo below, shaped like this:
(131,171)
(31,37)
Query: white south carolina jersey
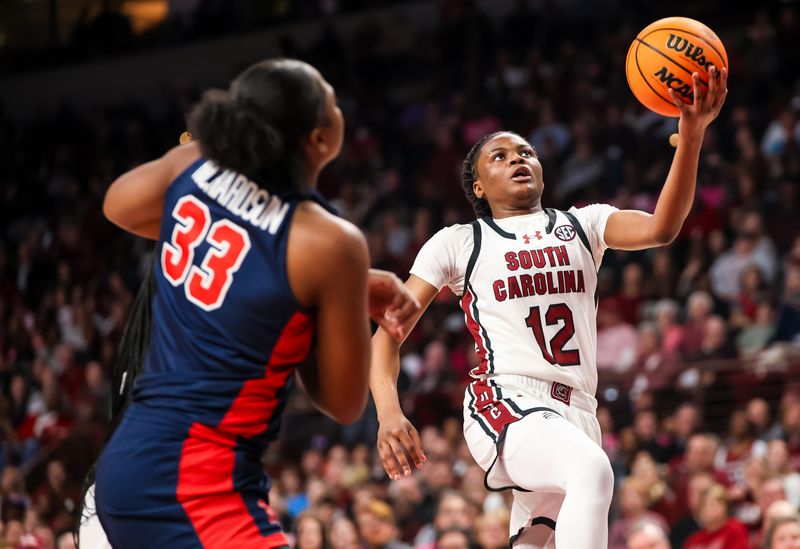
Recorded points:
(528,288)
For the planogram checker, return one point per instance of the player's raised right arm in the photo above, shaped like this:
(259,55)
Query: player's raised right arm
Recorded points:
(397,437)
(135,201)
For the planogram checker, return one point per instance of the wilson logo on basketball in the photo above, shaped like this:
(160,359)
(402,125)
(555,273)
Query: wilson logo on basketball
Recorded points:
(565,233)
(692,51)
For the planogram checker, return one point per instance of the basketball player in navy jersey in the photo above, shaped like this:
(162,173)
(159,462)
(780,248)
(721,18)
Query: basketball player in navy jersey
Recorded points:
(527,278)
(252,271)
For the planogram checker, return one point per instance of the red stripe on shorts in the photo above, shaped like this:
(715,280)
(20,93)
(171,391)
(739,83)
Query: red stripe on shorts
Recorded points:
(495,413)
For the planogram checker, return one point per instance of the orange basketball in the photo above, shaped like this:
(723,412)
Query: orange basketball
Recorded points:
(665,54)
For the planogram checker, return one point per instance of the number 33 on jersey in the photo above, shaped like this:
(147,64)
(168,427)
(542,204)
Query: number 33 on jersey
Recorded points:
(528,290)
(205,285)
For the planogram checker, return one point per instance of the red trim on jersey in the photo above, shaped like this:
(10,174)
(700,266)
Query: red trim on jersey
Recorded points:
(494,411)
(252,410)
(205,478)
(475,329)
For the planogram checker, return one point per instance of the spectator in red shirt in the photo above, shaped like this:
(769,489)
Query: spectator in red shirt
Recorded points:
(689,523)
(719,531)
(700,454)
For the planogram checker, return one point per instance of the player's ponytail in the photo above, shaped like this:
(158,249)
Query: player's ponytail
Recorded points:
(234,134)
(256,126)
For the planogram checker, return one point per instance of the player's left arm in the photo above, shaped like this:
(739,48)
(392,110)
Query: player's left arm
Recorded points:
(135,201)
(637,230)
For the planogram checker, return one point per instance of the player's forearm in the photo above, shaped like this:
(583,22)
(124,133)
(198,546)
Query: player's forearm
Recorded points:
(677,196)
(384,371)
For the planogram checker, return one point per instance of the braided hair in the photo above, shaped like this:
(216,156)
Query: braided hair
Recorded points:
(469,174)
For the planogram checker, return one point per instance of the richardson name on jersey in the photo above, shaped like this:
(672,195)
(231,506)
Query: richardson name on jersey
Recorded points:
(241,197)
(539,283)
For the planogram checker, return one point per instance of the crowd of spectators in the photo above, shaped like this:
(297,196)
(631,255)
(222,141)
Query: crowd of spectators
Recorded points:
(697,342)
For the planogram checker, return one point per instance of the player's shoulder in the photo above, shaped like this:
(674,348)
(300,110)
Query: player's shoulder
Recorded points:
(327,236)
(459,232)
(179,158)
(590,208)
(592,213)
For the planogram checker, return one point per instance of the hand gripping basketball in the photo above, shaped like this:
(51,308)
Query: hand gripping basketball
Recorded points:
(705,106)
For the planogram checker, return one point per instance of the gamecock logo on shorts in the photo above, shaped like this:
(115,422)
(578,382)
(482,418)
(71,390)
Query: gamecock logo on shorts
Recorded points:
(561,392)
(565,233)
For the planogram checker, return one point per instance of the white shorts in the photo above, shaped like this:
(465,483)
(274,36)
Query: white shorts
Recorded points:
(511,407)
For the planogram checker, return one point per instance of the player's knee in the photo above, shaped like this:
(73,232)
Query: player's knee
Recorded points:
(596,472)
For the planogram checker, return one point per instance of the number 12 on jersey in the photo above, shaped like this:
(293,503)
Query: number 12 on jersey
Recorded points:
(556,354)
(207,285)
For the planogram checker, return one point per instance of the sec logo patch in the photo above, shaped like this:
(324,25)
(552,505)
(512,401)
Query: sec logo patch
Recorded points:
(565,233)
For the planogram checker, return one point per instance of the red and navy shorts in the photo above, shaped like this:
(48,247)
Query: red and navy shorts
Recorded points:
(158,486)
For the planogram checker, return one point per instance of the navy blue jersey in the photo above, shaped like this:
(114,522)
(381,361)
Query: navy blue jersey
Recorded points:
(183,466)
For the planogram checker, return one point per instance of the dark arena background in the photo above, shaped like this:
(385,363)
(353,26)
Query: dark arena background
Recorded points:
(699,342)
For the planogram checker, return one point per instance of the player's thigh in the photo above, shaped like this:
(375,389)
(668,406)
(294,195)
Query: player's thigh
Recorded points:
(545,452)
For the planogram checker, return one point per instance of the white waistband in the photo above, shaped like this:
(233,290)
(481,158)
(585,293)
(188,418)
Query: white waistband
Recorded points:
(546,391)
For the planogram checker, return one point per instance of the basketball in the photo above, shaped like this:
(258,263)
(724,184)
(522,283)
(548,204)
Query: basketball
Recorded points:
(665,54)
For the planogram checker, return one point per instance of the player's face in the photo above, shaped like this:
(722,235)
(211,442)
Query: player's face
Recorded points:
(508,173)
(326,139)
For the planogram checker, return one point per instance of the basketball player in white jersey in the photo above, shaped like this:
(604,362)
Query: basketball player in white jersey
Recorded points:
(527,279)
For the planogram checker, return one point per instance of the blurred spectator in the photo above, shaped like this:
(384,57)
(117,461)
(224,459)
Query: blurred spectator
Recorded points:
(779,511)
(454,538)
(666,312)
(376,523)
(342,534)
(778,465)
(634,498)
(616,340)
(492,529)
(698,309)
(717,528)
(758,415)
(740,445)
(452,511)
(784,533)
(700,456)
(647,535)
(689,522)
(309,532)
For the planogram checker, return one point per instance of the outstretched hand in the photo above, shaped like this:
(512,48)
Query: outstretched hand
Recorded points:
(399,446)
(390,304)
(697,115)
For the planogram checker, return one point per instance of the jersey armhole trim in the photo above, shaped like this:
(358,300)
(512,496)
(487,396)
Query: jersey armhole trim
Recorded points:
(551,220)
(496,228)
(473,257)
(581,233)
